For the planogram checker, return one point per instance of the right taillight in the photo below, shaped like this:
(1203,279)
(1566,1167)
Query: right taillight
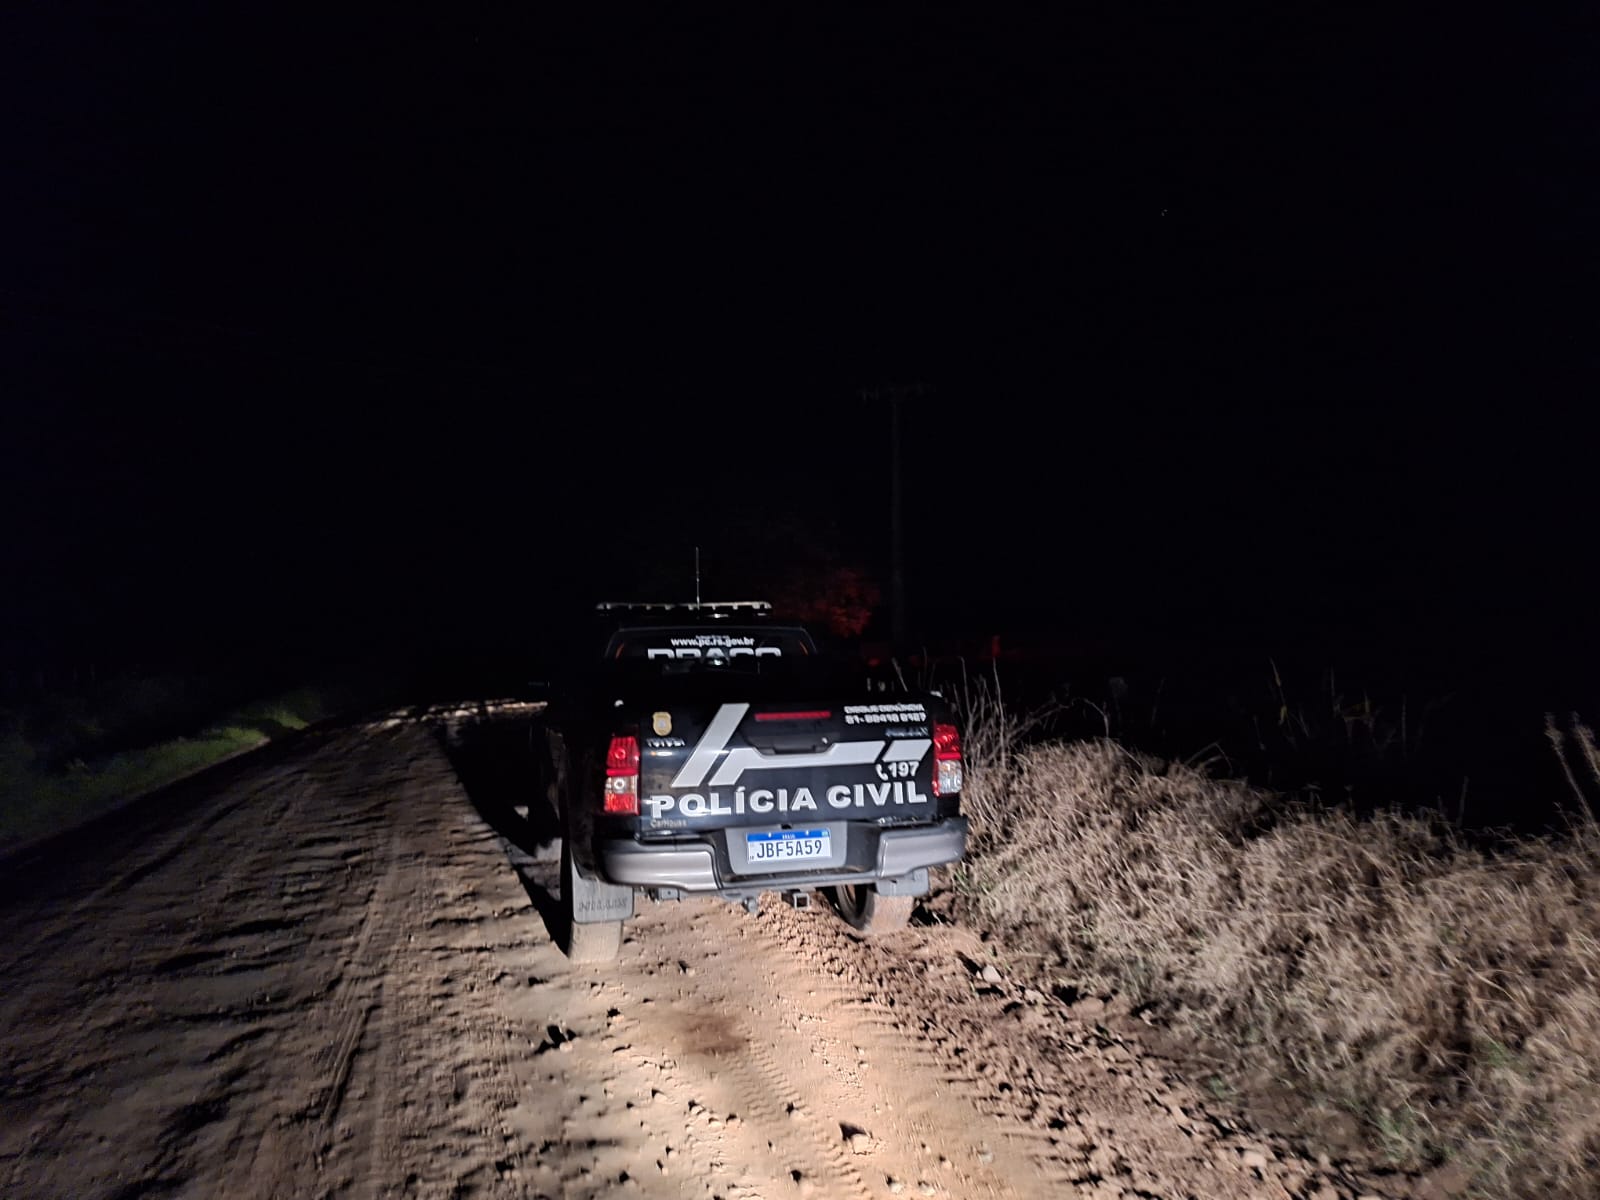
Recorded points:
(946,759)
(622,776)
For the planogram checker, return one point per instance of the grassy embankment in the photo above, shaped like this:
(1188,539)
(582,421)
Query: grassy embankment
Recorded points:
(1444,991)
(72,755)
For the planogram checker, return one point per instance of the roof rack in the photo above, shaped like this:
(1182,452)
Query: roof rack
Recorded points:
(683,606)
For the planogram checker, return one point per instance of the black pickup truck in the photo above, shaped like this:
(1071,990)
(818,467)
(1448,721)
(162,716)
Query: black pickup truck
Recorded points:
(709,751)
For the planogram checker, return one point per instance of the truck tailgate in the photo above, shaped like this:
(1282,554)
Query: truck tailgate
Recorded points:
(710,766)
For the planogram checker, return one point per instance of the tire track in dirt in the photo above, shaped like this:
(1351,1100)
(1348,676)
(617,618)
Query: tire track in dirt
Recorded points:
(206,1022)
(418,1093)
(126,992)
(73,925)
(763,1073)
(1081,1101)
(888,1017)
(387,1090)
(358,994)
(766,1060)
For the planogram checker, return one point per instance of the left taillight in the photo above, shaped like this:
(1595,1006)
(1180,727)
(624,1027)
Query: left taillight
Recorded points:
(946,759)
(622,776)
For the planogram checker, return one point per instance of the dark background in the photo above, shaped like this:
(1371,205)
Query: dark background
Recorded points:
(1240,332)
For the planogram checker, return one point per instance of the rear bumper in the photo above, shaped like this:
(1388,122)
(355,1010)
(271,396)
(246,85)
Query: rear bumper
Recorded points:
(702,867)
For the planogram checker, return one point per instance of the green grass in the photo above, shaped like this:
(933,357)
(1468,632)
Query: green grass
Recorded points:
(58,768)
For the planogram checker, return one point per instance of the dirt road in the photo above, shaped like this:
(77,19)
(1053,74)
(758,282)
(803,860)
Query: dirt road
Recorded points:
(332,976)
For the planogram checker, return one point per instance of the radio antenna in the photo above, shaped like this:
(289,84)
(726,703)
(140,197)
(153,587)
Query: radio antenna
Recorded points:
(697,574)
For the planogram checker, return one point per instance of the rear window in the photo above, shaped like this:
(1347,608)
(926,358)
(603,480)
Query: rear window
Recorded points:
(682,649)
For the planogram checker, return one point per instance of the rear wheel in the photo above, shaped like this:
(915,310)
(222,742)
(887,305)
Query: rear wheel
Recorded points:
(594,943)
(869,910)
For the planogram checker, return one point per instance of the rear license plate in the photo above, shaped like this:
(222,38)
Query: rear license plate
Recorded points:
(788,845)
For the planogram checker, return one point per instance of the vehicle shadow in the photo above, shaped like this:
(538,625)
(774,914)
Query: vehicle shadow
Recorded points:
(542,882)
(500,765)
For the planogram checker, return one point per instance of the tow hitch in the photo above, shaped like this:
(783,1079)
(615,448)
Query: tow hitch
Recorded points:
(797,899)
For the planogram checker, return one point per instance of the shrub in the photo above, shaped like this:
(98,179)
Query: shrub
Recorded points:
(1447,994)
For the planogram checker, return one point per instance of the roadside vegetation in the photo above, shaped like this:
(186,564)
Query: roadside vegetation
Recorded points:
(1442,990)
(71,755)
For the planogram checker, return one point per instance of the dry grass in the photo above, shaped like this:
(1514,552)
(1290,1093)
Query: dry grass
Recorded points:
(1447,996)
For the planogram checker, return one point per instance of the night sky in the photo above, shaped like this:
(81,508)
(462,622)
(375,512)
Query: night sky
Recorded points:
(1255,329)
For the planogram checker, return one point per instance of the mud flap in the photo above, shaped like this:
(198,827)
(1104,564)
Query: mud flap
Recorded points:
(594,900)
(914,884)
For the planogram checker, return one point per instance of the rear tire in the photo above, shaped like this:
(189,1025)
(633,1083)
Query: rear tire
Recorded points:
(594,943)
(865,908)
(587,942)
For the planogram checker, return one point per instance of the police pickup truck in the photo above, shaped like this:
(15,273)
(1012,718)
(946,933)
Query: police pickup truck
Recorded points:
(711,751)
